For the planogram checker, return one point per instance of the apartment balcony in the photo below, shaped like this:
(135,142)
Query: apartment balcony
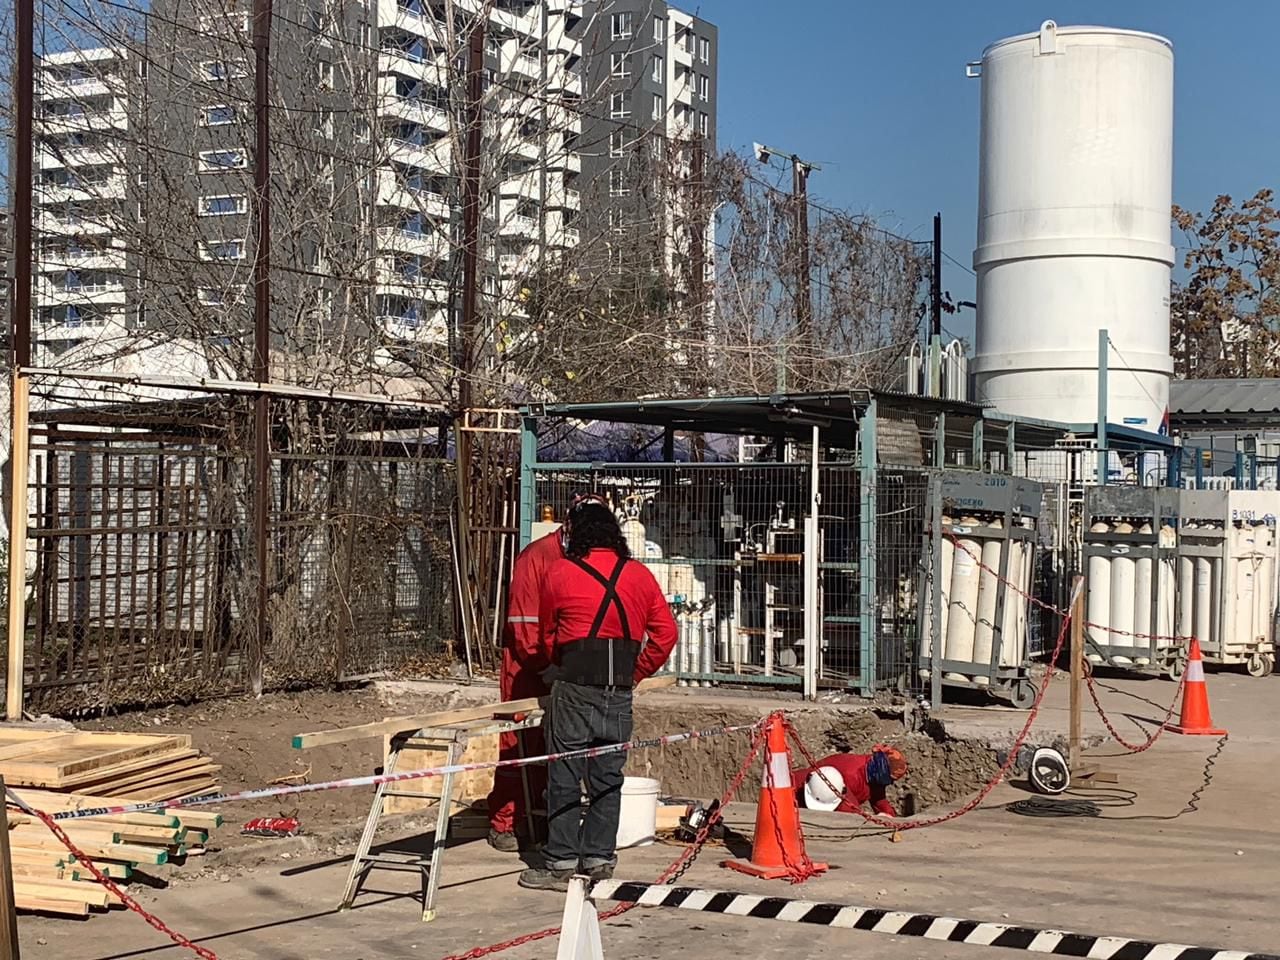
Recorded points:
(416,111)
(61,224)
(95,120)
(107,328)
(563,198)
(527,186)
(435,157)
(562,236)
(65,294)
(393,193)
(80,258)
(566,83)
(570,162)
(433,327)
(112,188)
(432,243)
(515,264)
(78,88)
(412,17)
(73,156)
(517,63)
(571,8)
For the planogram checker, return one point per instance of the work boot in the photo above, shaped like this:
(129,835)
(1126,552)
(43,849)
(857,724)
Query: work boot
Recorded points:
(603,871)
(540,878)
(503,842)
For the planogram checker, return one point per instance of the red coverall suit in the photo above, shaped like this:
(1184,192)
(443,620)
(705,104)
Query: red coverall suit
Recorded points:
(521,678)
(857,791)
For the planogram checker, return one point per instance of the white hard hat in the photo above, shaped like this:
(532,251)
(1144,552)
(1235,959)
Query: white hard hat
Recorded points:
(824,789)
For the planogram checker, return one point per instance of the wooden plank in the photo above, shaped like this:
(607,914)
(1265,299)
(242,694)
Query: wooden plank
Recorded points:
(8,889)
(50,763)
(85,781)
(66,908)
(123,852)
(19,464)
(41,871)
(395,725)
(420,754)
(90,893)
(173,790)
(183,770)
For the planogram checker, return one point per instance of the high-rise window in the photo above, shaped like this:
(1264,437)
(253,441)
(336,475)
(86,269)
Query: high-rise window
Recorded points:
(621,24)
(218,115)
(704,88)
(617,142)
(618,106)
(659,69)
(704,49)
(618,183)
(223,206)
(224,250)
(659,29)
(222,160)
(704,123)
(659,107)
(620,64)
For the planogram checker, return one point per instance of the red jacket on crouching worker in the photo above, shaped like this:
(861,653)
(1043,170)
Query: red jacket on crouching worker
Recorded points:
(848,780)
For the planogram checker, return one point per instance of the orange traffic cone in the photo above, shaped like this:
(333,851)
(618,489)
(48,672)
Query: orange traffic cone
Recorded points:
(777,848)
(1195,719)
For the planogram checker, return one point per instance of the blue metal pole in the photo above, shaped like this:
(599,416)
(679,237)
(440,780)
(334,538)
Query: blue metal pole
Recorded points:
(528,478)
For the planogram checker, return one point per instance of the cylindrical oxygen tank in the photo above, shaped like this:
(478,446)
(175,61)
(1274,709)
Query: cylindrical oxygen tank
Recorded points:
(1243,560)
(1143,583)
(634,533)
(652,557)
(938,594)
(988,591)
(1218,596)
(1166,587)
(1263,582)
(1123,578)
(707,623)
(1186,624)
(964,599)
(1098,602)
(1203,600)
(1013,622)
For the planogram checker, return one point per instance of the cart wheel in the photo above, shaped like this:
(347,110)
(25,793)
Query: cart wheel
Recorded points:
(1175,668)
(1024,694)
(1257,666)
(1271,664)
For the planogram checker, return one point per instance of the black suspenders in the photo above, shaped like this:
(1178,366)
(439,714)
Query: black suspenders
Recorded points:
(611,597)
(602,661)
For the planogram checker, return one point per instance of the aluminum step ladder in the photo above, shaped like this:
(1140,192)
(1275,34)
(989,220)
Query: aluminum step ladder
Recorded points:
(453,739)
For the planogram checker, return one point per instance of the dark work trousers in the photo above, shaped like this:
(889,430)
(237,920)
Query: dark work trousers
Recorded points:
(582,717)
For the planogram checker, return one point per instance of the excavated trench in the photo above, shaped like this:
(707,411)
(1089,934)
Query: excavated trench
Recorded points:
(941,768)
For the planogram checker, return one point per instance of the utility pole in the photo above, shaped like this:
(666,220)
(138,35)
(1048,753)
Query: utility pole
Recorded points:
(469,345)
(20,351)
(697,264)
(800,170)
(935,312)
(261,322)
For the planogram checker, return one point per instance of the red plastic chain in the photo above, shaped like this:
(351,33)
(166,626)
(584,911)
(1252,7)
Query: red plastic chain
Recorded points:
(672,873)
(114,888)
(1151,740)
(991,784)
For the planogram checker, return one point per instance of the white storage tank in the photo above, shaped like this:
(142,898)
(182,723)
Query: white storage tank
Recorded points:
(1074,197)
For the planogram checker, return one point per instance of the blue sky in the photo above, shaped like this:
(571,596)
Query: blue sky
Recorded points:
(876,92)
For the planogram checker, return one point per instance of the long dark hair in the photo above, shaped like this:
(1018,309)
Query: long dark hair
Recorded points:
(592,526)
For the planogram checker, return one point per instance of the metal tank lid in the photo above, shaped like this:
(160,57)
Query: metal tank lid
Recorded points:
(1076,30)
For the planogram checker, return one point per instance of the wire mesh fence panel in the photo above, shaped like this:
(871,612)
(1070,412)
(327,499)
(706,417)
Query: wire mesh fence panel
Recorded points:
(134,572)
(144,584)
(726,545)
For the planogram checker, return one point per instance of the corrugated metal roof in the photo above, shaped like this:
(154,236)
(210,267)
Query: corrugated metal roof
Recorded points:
(1234,397)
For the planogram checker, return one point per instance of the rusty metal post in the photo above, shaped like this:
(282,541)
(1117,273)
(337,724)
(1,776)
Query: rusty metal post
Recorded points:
(20,351)
(261,324)
(804,296)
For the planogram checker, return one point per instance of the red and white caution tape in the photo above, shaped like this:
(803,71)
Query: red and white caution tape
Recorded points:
(375,779)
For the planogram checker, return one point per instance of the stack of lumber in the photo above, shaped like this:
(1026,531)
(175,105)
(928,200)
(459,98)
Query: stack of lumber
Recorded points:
(48,878)
(140,766)
(57,770)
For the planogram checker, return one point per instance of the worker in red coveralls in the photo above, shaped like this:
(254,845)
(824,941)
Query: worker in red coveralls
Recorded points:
(521,678)
(843,782)
(605,625)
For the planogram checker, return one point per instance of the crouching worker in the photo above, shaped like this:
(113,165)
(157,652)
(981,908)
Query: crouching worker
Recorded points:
(604,626)
(843,782)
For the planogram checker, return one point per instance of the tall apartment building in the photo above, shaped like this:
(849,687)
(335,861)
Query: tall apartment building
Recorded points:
(145,170)
(655,67)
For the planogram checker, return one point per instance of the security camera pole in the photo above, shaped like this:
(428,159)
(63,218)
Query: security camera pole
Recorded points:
(800,170)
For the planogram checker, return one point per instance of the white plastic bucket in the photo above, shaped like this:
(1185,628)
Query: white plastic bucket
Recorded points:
(638,819)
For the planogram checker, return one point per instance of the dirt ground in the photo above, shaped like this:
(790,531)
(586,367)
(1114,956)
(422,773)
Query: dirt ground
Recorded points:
(252,739)
(1145,866)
